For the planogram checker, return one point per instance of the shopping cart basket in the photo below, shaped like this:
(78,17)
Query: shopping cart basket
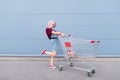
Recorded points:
(76,48)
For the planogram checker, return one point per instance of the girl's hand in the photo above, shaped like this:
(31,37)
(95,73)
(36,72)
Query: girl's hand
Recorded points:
(62,35)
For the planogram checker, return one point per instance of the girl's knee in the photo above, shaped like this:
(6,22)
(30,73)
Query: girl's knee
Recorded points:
(54,54)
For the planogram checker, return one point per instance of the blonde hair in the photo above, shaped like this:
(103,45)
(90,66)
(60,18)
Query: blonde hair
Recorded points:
(50,22)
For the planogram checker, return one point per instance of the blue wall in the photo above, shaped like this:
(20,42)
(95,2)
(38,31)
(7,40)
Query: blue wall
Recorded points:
(22,24)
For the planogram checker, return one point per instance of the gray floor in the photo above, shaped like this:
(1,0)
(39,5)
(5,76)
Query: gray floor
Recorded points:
(38,70)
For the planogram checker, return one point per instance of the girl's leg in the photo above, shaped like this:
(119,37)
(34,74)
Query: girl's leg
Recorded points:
(53,55)
(46,52)
(52,60)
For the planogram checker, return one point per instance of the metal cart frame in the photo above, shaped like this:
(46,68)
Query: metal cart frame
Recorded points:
(79,48)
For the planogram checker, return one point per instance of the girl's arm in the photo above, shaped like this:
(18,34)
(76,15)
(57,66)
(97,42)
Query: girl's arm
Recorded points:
(58,33)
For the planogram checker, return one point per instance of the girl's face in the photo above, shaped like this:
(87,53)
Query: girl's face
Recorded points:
(53,25)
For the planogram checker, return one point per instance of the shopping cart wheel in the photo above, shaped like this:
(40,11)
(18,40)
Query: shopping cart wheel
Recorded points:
(60,68)
(93,71)
(90,74)
(71,64)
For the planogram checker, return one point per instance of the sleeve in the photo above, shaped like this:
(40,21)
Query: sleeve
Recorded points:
(49,31)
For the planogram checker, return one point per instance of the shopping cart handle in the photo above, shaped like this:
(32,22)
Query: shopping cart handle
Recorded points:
(69,34)
(98,41)
(65,35)
(93,41)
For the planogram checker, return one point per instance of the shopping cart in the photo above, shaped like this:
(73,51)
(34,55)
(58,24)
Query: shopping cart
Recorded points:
(76,49)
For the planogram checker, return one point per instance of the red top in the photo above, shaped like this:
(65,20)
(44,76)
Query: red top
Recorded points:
(49,32)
